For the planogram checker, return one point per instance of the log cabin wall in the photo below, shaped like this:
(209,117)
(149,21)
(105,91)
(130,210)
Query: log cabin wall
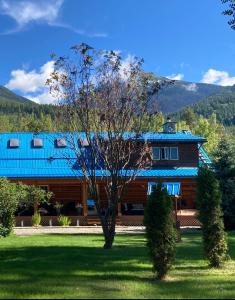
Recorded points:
(66,191)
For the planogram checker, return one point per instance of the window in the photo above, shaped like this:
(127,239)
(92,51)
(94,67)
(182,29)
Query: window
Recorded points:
(156,153)
(37,143)
(174,153)
(61,143)
(165,153)
(14,143)
(84,142)
(44,187)
(173,188)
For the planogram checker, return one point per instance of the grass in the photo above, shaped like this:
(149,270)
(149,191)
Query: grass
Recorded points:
(62,266)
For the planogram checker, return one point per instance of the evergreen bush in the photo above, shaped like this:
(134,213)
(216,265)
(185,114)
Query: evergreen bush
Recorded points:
(160,231)
(211,217)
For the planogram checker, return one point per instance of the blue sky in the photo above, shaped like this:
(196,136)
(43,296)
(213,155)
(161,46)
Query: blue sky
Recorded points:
(182,39)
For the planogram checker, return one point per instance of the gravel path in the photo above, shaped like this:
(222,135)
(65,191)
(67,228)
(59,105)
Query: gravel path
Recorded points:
(28,231)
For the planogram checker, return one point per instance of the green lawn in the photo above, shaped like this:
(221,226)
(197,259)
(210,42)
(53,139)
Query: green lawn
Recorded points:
(62,266)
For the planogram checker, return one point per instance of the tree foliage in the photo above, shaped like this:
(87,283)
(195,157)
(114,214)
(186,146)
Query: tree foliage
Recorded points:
(208,128)
(224,164)
(108,101)
(230,11)
(160,231)
(211,217)
(11,194)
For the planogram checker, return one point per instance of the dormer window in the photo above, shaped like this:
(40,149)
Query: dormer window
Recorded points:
(61,143)
(14,143)
(165,153)
(174,153)
(156,153)
(37,143)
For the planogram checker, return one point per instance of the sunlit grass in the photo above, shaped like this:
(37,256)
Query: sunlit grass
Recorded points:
(70,266)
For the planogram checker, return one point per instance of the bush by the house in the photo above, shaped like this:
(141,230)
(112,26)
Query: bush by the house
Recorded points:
(160,231)
(211,217)
(11,195)
(36,219)
(64,221)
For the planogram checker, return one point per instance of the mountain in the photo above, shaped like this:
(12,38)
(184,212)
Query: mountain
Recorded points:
(6,96)
(223,104)
(182,93)
(12,104)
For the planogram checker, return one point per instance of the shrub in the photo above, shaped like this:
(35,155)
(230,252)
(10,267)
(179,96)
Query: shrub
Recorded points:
(36,219)
(10,196)
(64,221)
(160,231)
(4,232)
(211,217)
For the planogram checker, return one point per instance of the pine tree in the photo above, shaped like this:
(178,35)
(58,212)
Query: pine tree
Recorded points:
(160,231)
(211,217)
(225,170)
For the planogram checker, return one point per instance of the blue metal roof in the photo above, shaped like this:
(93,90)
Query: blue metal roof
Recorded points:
(52,162)
(206,159)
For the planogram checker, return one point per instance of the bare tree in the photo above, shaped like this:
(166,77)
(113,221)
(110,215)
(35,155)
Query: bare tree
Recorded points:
(107,99)
(230,11)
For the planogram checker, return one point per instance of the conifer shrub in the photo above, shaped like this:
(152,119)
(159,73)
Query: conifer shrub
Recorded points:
(36,219)
(160,231)
(211,217)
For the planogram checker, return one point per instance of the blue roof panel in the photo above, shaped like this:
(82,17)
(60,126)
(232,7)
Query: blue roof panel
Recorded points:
(50,161)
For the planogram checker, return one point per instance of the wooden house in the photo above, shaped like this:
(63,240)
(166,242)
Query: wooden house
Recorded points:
(39,159)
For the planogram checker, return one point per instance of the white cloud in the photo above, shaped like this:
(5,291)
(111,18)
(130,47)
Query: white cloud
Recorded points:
(192,87)
(26,11)
(31,84)
(223,78)
(44,98)
(47,12)
(178,76)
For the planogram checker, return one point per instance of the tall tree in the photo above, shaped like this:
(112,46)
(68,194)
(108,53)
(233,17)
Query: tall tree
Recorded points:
(224,164)
(160,231)
(108,101)
(211,217)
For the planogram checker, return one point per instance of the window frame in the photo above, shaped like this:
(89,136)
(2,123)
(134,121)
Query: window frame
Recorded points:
(177,149)
(166,151)
(159,153)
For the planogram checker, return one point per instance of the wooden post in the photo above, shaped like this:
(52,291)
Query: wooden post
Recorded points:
(119,210)
(84,198)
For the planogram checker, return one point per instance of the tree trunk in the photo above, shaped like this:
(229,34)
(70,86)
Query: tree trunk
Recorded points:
(109,225)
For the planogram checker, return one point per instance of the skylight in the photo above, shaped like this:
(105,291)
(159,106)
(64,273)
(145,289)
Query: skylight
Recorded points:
(14,143)
(38,143)
(61,143)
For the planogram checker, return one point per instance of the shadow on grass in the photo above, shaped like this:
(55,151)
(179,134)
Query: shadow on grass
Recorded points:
(45,270)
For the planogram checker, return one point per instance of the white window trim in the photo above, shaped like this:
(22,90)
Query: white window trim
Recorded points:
(177,153)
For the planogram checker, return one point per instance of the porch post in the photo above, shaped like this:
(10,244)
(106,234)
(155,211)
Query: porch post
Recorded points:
(119,210)
(84,198)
